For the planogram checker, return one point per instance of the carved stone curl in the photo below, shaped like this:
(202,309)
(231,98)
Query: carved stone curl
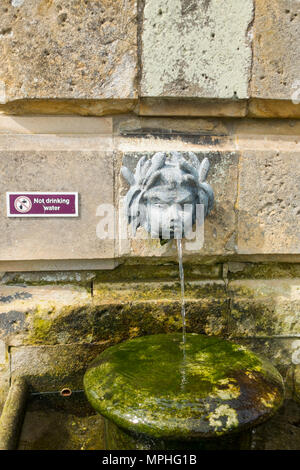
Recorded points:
(162,183)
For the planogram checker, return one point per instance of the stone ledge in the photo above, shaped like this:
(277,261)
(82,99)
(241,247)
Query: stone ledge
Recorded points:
(161,291)
(160,107)
(265,308)
(44,314)
(191,107)
(271,108)
(70,125)
(51,368)
(79,107)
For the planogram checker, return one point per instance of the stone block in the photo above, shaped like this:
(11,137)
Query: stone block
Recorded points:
(196,48)
(136,309)
(297,383)
(45,315)
(260,108)
(265,307)
(68,50)
(263,270)
(269,202)
(276,55)
(66,125)
(192,108)
(49,368)
(90,173)
(4,384)
(4,372)
(160,272)
(3,353)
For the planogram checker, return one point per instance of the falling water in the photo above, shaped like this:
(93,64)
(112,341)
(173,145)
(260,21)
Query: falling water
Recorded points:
(181,275)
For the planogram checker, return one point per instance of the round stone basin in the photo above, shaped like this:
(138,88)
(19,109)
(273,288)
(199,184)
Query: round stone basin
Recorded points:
(156,386)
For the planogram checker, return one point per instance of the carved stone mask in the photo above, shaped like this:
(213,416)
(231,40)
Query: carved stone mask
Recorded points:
(164,192)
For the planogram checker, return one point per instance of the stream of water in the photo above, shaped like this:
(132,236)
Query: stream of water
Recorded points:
(181,275)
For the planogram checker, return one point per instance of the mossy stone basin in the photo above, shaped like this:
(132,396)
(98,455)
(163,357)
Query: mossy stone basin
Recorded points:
(155,386)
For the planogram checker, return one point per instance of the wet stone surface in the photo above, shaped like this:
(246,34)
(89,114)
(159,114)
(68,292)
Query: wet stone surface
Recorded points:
(155,386)
(282,432)
(65,423)
(53,422)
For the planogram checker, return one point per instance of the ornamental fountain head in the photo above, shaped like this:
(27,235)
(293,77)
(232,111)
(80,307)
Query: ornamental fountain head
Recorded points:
(164,193)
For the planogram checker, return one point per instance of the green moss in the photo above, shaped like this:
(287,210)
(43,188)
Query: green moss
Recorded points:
(20,280)
(166,272)
(159,387)
(120,322)
(69,324)
(133,291)
(267,271)
(41,329)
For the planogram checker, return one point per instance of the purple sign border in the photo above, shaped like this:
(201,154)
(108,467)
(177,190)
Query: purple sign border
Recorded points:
(40,193)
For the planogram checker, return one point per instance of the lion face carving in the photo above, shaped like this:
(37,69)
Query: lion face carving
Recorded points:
(164,193)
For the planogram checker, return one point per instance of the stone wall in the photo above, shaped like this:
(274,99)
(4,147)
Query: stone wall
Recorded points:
(86,86)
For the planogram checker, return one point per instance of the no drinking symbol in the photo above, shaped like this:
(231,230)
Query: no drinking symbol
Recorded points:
(23,204)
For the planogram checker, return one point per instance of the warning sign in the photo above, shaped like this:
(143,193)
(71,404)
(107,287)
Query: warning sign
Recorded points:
(39,204)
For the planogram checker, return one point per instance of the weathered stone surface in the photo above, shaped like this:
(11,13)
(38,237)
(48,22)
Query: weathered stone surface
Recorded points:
(80,278)
(3,353)
(219,227)
(281,432)
(157,387)
(196,49)
(276,55)
(54,314)
(53,422)
(269,202)
(163,290)
(13,413)
(45,315)
(85,50)
(49,368)
(260,108)
(189,108)
(80,107)
(263,270)
(138,127)
(57,265)
(90,173)
(126,310)
(265,307)
(4,372)
(4,385)
(70,125)
(297,382)
(159,271)
(120,321)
